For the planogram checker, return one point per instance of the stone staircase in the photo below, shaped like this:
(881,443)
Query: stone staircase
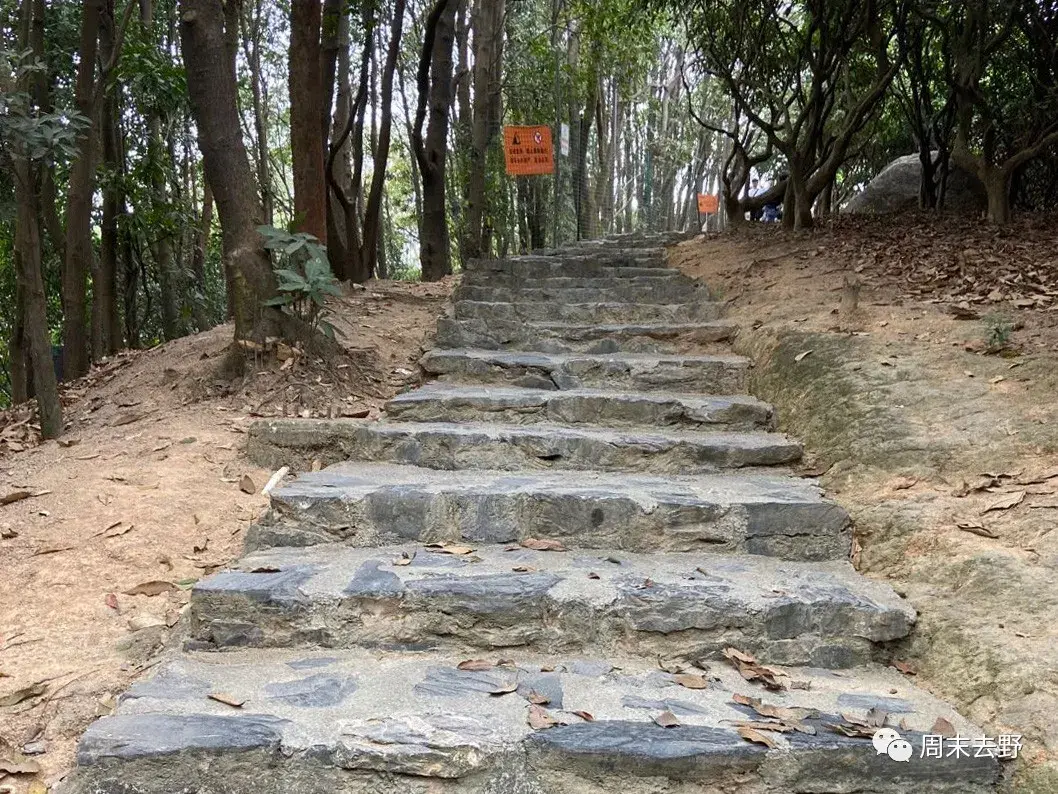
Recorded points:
(571,563)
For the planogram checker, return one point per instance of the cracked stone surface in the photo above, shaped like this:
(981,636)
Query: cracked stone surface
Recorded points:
(554,311)
(372,504)
(822,615)
(452,445)
(621,371)
(467,403)
(418,716)
(508,334)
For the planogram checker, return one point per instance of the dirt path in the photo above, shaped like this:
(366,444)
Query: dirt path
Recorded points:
(147,489)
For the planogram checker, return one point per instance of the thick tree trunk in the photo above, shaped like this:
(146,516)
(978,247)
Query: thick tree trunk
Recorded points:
(79,202)
(31,286)
(435,94)
(306,99)
(997,186)
(210,62)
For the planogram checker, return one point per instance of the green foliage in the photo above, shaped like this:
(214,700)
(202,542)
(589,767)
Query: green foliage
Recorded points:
(304,274)
(998,331)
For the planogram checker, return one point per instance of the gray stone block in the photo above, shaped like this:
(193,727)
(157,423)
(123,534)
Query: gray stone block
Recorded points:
(694,605)
(588,313)
(439,445)
(365,504)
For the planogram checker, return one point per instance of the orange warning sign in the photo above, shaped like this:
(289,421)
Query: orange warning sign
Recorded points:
(707,204)
(528,150)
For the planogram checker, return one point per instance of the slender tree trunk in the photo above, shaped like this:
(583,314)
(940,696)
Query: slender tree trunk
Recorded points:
(340,174)
(198,258)
(251,42)
(104,275)
(381,156)
(306,99)
(31,286)
(209,57)
(435,93)
(488,75)
(79,201)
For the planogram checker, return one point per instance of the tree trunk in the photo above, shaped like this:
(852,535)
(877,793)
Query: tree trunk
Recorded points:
(31,286)
(997,186)
(251,41)
(435,92)
(488,74)
(210,62)
(306,99)
(372,211)
(104,275)
(198,258)
(79,201)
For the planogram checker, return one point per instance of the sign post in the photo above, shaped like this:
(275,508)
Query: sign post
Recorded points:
(707,205)
(528,150)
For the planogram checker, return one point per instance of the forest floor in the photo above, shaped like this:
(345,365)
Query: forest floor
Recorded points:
(931,412)
(148,490)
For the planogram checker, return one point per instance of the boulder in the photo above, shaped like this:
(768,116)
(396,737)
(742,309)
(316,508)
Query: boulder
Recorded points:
(895,189)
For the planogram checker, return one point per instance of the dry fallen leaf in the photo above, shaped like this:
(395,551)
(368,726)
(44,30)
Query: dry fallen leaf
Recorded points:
(25,693)
(758,725)
(226,699)
(111,600)
(25,767)
(903,483)
(246,484)
(538,699)
(943,727)
(584,715)
(666,719)
(1007,502)
(752,670)
(449,548)
(140,622)
(523,569)
(751,735)
(801,356)
(152,588)
(505,688)
(15,496)
(539,718)
(37,787)
(475,665)
(976,529)
(691,681)
(905,668)
(541,544)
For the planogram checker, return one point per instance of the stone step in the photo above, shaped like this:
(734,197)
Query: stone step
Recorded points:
(625,371)
(625,290)
(361,722)
(659,279)
(690,606)
(572,259)
(450,445)
(574,338)
(448,402)
(378,504)
(555,267)
(580,313)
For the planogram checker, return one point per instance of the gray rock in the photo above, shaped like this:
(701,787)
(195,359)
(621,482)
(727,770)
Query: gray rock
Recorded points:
(896,189)
(316,691)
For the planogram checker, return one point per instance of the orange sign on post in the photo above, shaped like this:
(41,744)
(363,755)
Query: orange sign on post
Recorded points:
(528,150)
(707,205)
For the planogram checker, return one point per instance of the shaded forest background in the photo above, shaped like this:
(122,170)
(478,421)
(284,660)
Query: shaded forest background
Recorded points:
(169,166)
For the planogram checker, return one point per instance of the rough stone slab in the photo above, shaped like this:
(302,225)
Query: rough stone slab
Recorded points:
(440,445)
(624,371)
(447,402)
(554,267)
(364,504)
(581,313)
(690,605)
(613,291)
(414,723)
(656,280)
(572,338)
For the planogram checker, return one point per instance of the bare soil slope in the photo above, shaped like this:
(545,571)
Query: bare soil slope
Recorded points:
(931,411)
(148,490)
